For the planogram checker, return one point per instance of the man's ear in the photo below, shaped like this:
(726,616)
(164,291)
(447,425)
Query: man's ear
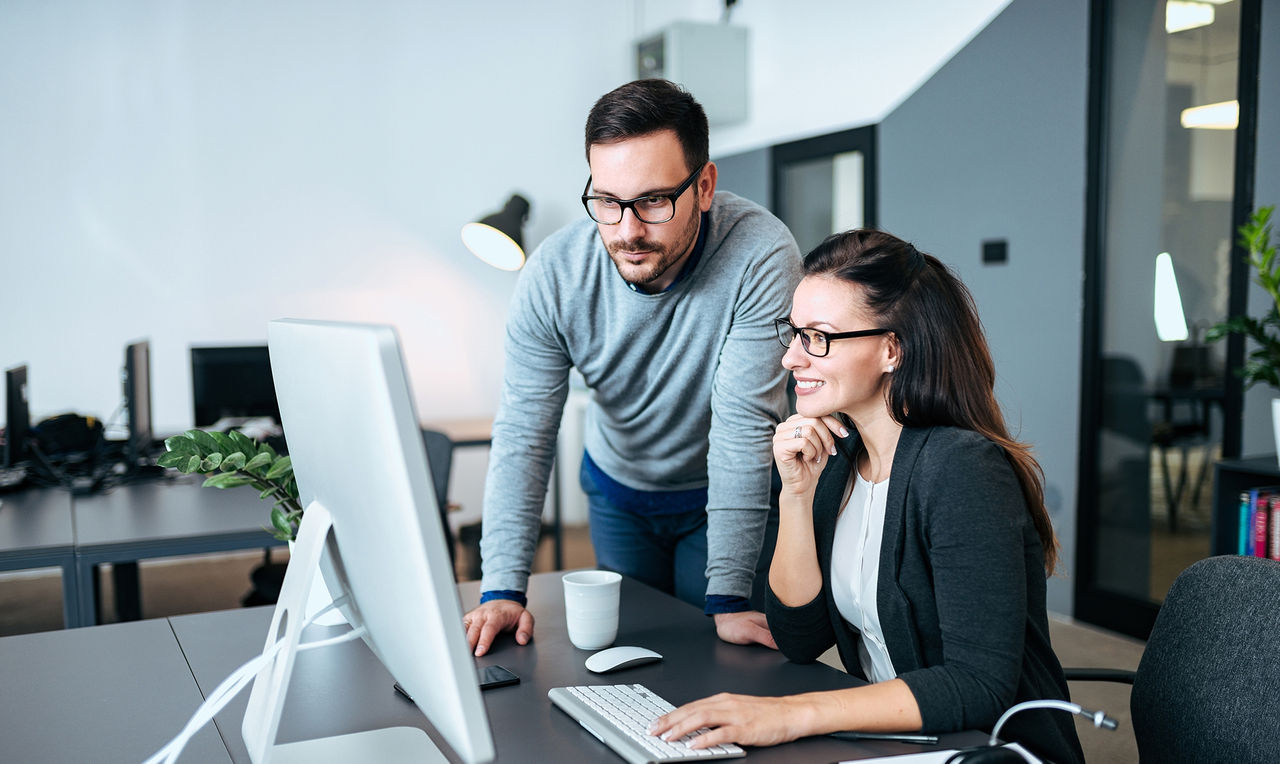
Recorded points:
(707,186)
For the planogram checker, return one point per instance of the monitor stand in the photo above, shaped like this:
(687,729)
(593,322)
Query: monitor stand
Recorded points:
(266,701)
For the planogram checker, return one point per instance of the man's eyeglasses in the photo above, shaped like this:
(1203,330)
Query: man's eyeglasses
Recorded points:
(652,209)
(816,342)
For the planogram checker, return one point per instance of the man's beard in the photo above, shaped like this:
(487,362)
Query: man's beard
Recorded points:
(651,271)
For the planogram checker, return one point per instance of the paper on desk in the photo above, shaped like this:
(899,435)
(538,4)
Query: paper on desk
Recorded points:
(938,757)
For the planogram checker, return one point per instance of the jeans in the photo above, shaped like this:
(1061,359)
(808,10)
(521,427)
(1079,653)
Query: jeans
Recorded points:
(665,551)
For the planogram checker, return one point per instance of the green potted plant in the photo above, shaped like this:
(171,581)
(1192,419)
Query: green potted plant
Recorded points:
(234,459)
(1263,362)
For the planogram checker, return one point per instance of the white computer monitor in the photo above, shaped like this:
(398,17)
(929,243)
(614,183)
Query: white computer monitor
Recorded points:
(372,523)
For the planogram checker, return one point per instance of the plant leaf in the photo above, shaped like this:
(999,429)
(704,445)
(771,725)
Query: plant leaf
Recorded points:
(181,444)
(280,522)
(193,465)
(243,443)
(171,459)
(281,469)
(211,462)
(233,462)
(225,444)
(226,480)
(204,441)
(256,464)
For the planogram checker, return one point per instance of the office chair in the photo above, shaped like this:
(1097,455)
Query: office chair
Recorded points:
(440,459)
(1205,689)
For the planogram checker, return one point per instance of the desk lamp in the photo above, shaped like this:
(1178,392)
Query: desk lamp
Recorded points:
(498,239)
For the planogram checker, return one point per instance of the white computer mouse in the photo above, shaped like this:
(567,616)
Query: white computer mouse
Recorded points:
(615,658)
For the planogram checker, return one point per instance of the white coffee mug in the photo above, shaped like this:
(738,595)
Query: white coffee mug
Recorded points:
(591,600)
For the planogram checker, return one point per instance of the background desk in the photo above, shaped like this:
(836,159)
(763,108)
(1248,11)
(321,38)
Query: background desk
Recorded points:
(346,689)
(160,518)
(108,694)
(36,531)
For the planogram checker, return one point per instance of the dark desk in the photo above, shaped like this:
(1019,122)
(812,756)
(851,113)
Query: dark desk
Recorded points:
(161,518)
(108,694)
(36,531)
(345,689)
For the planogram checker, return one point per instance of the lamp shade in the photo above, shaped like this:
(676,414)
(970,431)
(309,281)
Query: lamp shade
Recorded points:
(498,239)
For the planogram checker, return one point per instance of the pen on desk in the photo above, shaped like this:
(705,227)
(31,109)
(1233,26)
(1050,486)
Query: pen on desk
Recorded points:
(896,737)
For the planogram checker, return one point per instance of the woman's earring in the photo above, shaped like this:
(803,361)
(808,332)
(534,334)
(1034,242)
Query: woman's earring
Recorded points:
(889,369)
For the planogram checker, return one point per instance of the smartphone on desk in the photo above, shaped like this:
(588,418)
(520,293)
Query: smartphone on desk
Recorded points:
(496,676)
(490,677)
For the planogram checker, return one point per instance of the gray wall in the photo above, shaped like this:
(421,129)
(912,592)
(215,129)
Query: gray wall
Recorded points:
(1258,438)
(747,175)
(993,146)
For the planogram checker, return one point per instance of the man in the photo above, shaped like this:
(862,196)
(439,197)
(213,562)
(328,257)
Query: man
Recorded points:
(664,302)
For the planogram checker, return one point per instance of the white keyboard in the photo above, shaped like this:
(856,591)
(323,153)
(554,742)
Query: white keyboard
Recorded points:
(619,715)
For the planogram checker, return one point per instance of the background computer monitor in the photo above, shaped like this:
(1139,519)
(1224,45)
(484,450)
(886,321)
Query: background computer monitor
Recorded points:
(137,401)
(346,384)
(17,416)
(232,382)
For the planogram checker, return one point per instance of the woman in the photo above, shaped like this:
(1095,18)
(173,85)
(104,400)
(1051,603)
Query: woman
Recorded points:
(913,533)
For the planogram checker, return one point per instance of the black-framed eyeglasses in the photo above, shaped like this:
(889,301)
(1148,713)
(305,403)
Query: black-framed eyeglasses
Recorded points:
(816,342)
(652,209)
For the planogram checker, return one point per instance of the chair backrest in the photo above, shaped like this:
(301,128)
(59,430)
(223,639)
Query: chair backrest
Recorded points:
(1208,685)
(1124,407)
(440,459)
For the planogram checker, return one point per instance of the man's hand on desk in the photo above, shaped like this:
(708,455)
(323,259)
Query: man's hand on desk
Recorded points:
(746,628)
(493,617)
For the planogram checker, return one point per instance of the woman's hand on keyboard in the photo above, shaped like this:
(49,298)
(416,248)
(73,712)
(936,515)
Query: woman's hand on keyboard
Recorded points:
(742,719)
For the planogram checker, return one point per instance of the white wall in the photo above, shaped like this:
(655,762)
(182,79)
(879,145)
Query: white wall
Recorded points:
(817,66)
(186,171)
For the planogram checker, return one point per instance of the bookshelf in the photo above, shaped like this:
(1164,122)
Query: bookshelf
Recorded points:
(1230,477)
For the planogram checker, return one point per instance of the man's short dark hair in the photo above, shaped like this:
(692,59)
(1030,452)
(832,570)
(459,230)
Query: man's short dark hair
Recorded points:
(647,106)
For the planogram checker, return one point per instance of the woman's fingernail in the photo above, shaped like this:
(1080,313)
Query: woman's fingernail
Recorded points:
(844,433)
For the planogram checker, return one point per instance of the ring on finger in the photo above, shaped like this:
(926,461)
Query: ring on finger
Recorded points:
(798,433)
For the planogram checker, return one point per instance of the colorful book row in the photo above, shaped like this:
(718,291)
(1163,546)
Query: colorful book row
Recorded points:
(1260,522)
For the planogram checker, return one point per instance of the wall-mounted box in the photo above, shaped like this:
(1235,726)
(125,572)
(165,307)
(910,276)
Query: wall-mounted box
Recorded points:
(708,60)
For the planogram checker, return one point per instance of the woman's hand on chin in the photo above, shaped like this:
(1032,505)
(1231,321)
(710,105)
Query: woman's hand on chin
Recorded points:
(801,446)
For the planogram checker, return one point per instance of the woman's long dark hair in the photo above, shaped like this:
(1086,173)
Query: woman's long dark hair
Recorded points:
(944,375)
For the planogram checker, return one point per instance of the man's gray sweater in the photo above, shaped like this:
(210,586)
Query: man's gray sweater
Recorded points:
(687,385)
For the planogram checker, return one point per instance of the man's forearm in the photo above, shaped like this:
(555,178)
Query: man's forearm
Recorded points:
(734,540)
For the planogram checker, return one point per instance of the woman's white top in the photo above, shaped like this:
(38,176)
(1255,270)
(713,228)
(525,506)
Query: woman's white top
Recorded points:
(855,570)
